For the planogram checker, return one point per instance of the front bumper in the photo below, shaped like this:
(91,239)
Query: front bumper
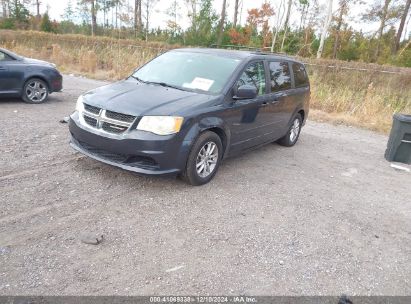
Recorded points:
(135,151)
(56,83)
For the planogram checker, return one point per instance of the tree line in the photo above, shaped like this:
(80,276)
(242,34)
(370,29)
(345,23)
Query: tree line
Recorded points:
(269,27)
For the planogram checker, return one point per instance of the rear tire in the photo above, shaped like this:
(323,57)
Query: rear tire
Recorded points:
(293,133)
(35,90)
(204,159)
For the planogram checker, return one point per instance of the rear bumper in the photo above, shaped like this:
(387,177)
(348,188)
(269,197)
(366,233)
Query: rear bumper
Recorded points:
(135,151)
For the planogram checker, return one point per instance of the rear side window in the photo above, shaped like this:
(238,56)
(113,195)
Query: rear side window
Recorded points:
(300,75)
(254,75)
(280,76)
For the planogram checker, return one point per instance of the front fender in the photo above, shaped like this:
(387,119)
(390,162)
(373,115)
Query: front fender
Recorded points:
(44,73)
(213,123)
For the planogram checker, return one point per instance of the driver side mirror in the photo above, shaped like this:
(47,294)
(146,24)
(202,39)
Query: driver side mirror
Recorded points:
(245,92)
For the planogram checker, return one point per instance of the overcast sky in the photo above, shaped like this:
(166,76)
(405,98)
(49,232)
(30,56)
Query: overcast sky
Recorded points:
(159,18)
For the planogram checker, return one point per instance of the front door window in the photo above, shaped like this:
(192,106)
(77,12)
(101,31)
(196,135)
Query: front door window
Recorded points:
(254,75)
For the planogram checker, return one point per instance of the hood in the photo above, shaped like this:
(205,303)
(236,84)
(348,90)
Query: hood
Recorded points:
(38,62)
(136,98)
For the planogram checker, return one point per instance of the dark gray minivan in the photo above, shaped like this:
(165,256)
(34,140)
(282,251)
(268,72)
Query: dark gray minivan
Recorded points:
(187,109)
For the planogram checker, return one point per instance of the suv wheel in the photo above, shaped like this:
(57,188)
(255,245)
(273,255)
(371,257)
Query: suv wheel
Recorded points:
(293,132)
(35,91)
(204,159)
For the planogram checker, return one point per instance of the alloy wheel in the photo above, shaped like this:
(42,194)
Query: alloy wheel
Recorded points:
(207,159)
(36,91)
(295,130)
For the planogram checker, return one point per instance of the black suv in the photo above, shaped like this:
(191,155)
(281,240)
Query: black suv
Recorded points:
(187,109)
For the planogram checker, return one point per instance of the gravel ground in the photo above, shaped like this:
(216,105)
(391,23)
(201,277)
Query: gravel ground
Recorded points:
(326,217)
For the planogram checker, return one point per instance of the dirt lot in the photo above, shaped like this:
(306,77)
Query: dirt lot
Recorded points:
(326,217)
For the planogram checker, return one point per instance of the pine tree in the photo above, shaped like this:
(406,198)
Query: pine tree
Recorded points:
(45,24)
(69,13)
(18,11)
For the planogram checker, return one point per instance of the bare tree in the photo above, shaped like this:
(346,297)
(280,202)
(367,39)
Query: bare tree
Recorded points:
(38,8)
(4,8)
(406,26)
(287,19)
(37,3)
(325,28)
(401,27)
(311,11)
(343,10)
(221,24)
(93,13)
(304,5)
(105,6)
(93,17)
(174,13)
(383,20)
(241,10)
(138,24)
(235,13)
(148,6)
(192,13)
(5,4)
(280,15)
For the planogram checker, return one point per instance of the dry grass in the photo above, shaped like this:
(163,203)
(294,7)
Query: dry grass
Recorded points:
(90,56)
(360,98)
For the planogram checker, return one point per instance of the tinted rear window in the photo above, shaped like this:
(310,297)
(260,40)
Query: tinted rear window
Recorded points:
(280,77)
(300,75)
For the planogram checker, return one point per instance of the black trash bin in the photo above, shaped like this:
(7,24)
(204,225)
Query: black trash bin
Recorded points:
(399,143)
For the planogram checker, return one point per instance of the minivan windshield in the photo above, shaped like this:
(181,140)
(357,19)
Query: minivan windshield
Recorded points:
(189,70)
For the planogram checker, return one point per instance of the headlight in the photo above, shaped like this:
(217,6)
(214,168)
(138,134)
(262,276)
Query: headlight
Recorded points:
(79,104)
(160,125)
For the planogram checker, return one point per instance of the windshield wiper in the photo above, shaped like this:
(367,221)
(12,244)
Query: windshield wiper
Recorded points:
(138,79)
(163,84)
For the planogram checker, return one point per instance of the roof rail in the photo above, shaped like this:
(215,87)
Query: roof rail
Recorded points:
(262,51)
(235,47)
(267,49)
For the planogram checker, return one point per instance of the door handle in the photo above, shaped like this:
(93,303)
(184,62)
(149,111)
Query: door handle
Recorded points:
(266,103)
(2,69)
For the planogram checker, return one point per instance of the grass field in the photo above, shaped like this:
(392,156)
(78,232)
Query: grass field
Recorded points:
(353,93)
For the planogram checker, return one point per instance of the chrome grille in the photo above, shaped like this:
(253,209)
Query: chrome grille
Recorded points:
(120,116)
(92,109)
(108,121)
(112,128)
(90,121)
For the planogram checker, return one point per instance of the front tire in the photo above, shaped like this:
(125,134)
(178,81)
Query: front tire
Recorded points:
(204,159)
(293,133)
(35,90)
